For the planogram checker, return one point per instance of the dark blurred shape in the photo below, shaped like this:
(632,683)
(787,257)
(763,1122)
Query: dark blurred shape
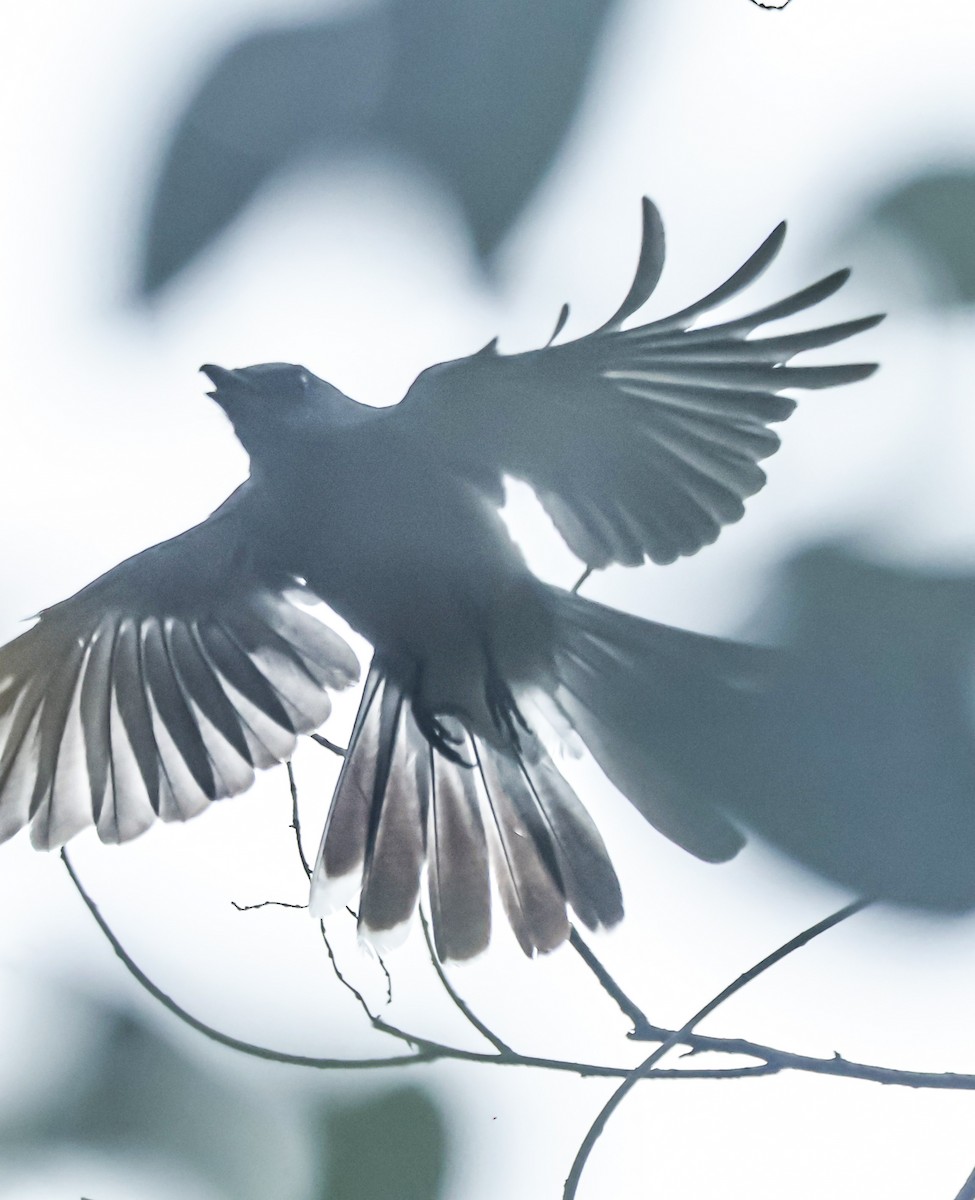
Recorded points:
(271,101)
(481,95)
(390,1147)
(860,759)
(934,216)
(133,1092)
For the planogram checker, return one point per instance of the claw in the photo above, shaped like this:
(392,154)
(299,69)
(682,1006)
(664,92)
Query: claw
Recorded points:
(439,737)
(505,713)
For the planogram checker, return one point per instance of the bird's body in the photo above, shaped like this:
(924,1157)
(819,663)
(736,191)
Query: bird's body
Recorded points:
(166,682)
(378,507)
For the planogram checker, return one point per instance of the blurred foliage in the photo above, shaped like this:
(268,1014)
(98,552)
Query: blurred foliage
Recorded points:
(933,216)
(130,1092)
(134,1092)
(480,95)
(390,1147)
(860,759)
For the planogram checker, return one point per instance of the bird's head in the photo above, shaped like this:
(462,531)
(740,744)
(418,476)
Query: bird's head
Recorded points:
(273,405)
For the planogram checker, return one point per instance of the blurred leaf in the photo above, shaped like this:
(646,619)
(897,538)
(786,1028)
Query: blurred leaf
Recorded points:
(391,1146)
(481,95)
(860,759)
(933,215)
(136,1093)
(271,101)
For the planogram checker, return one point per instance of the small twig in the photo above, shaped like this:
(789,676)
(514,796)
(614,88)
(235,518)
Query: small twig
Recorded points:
(296,819)
(265,904)
(774,1060)
(296,826)
(582,579)
(389,978)
(427,1051)
(641,1025)
(379,958)
(215,1035)
(333,746)
(458,1000)
(596,1129)
(360,999)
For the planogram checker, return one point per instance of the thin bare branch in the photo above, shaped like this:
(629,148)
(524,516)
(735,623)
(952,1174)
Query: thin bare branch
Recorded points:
(208,1031)
(296,819)
(641,1072)
(333,746)
(458,1000)
(582,578)
(389,978)
(773,1062)
(266,904)
(349,986)
(641,1024)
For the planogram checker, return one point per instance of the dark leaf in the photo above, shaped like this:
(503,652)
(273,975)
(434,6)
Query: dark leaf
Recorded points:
(134,1094)
(932,215)
(860,761)
(394,1144)
(481,96)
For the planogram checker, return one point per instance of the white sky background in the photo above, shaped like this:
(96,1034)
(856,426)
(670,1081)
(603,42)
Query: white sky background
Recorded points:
(730,118)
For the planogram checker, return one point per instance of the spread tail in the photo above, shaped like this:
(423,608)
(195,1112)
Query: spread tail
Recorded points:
(652,705)
(400,803)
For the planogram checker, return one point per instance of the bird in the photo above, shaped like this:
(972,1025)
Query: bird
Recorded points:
(167,682)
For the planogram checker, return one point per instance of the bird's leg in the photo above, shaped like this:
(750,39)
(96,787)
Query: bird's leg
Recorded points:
(432,727)
(502,706)
(439,737)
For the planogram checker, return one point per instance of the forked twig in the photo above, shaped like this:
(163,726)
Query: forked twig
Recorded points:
(675,1038)
(641,1024)
(773,1060)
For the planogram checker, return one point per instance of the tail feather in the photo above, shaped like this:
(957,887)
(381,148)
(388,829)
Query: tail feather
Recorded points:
(400,804)
(343,847)
(564,833)
(395,843)
(459,875)
(656,707)
(522,857)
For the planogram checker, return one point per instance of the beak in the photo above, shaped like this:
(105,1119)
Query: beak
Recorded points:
(228,385)
(221,377)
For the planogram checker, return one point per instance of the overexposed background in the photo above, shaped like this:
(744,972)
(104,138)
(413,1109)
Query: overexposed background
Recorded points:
(730,117)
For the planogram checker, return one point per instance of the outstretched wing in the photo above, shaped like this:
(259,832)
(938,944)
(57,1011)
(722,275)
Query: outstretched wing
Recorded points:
(160,687)
(641,442)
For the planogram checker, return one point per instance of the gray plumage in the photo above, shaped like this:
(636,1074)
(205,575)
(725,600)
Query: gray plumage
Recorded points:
(166,683)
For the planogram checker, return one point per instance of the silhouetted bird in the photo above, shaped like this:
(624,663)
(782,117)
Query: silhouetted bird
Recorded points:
(163,684)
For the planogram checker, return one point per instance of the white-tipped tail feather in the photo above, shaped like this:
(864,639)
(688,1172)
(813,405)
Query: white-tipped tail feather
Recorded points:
(642,697)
